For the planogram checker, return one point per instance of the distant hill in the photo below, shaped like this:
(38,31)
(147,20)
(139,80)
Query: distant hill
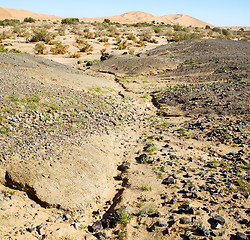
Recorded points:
(137,16)
(130,17)
(8,13)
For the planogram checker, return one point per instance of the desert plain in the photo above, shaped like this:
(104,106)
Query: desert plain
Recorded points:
(125,127)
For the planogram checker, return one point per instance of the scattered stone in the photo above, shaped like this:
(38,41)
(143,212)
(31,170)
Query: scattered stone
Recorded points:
(185,220)
(241,236)
(124,166)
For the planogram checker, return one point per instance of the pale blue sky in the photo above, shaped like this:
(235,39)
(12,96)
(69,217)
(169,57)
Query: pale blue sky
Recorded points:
(216,12)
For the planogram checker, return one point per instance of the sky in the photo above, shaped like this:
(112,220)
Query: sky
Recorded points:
(215,12)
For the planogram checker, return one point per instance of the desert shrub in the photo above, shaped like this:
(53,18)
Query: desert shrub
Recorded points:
(226,32)
(84,46)
(132,37)
(207,27)
(9,22)
(29,20)
(146,36)
(153,40)
(141,43)
(70,21)
(184,36)
(123,45)
(106,20)
(87,34)
(177,27)
(215,29)
(3,49)
(19,31)
(41,35)
(5,35)
(131,52)
(13,50)
(157,30)
(112,31)
(61,30)
(75,55)
(40,48)
(59,48)
(103,39)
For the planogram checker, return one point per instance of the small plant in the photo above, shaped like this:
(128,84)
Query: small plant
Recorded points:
(146,187)
(40,48)
(84,46)
(122,45)
(70,21)
(59,48)
(29,20)
(122,215)
(42,35)
(75,55)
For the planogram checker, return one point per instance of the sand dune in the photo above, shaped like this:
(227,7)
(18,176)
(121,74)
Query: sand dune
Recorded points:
(7,13)
(137,16)
(130,17)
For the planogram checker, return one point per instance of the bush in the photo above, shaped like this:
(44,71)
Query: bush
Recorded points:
(70,21)
(40,48)
(75,55)
(9,22)
(146,36)
(106,20)
(61,30)
(3,49)
(226,32)
(59,48)
(84,46)
(122,45)
(132,37)
(41,35)
(29,20)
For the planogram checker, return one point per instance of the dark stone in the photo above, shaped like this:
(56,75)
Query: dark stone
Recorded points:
(169,180)
(124,166)
(97,226)
(203,231)
(241,236)
(185,220)
(219,219)
(161,223)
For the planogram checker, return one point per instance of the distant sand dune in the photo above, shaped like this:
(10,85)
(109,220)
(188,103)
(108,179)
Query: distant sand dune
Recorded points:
(137,16)
(8,13)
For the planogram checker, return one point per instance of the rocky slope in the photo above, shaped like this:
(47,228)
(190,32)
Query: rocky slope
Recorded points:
(163,155)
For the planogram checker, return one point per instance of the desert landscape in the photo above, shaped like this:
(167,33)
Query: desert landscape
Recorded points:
(125,127)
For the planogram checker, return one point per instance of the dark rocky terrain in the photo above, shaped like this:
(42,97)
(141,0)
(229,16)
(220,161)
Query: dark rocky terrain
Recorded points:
(165,155)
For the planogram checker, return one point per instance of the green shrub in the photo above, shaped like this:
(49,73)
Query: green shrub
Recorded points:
(3,49)
(40,48)
(146,36)
(84,46)
(9,22)
(70,21)
(42,35)
(122,45)
(59,48)
(106,20)
(132,37)
(226,32)
(29,20)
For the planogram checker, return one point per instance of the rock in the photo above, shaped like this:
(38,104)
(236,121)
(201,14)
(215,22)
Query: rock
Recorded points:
(124,166)
(203,231)
(76,225)
(169,180)
(241,236)
(185,220)
(218,219)
(161,223)
(189,236)
(97,226)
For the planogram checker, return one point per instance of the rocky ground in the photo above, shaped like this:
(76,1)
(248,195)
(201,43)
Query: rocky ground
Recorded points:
(167,151)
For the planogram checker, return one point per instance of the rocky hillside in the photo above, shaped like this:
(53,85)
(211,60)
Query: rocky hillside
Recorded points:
(159,153)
